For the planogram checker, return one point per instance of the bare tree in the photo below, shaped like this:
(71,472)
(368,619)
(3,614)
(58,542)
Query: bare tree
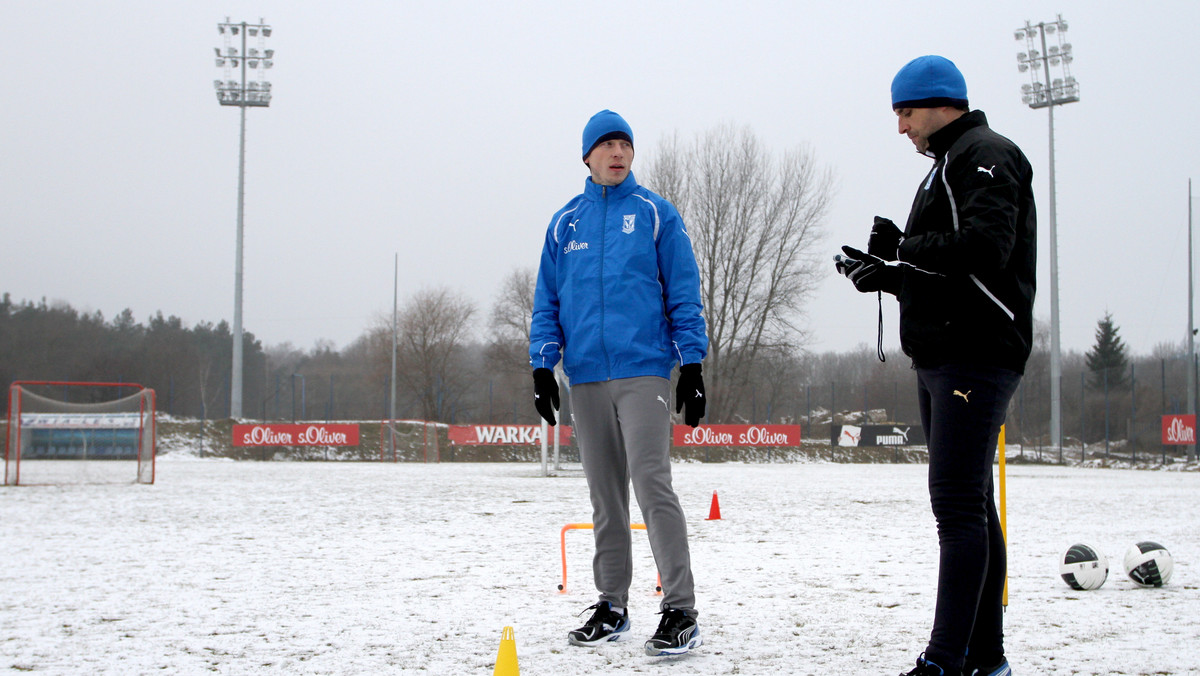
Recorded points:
(508,342)
(505,353)
(434,329)
(755,222)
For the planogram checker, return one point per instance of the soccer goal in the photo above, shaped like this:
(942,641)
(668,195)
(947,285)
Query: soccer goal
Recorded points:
(54,426)
(408,439)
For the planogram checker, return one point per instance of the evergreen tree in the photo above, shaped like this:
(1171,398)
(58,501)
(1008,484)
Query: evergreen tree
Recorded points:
(1110,354)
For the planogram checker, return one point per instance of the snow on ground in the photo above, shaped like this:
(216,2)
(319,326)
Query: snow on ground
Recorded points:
(356,568)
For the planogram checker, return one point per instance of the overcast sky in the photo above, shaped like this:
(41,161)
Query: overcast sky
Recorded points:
(449,132)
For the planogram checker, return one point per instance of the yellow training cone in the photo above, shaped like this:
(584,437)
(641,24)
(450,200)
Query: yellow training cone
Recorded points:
(506,658)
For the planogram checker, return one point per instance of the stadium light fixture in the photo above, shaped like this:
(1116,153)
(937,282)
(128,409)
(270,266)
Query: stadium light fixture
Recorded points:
(257,94)
(1045,91)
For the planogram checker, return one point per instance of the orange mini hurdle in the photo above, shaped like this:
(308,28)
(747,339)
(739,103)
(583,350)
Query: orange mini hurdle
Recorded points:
(562,539)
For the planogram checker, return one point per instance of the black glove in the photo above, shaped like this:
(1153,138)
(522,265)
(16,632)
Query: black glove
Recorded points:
(868,273)
(689,394)
(545,394)
(885,239)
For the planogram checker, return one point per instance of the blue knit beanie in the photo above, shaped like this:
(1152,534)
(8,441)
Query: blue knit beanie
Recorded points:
(929,82)
(603,126)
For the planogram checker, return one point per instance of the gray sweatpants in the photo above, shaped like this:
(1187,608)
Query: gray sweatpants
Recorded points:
(624,428)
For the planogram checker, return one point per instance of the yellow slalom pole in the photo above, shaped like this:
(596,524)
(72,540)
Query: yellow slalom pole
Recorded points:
(1003,512)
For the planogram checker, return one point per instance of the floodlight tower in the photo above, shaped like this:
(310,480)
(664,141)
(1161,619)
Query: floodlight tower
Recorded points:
(242,93)
(1048,93)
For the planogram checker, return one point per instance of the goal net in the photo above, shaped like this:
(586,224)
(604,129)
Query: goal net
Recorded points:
(53,427)
(409,440)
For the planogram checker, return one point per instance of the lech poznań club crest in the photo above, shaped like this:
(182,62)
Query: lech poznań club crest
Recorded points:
(628,227)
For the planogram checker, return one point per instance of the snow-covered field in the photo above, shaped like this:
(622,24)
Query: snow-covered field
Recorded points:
(349,568)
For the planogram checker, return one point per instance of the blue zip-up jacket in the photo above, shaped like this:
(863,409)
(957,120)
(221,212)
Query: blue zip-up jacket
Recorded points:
(618,289)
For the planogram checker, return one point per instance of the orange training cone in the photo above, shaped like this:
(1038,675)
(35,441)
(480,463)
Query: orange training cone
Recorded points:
(506,658)
(714,512)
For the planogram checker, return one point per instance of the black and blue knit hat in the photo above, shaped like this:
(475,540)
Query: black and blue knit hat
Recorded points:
(929,82)
(603,126)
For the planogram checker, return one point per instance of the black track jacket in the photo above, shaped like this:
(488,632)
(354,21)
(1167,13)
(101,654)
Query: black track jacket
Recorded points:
(969,251)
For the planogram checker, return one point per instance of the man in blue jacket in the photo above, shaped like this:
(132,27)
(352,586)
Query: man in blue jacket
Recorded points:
(618,298)
(963,271)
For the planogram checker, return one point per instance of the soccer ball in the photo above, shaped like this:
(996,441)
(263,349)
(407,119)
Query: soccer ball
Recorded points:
(1083,567)
(1149,564)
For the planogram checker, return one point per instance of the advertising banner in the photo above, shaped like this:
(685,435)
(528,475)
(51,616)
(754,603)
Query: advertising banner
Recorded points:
(736,435)
(301,434)
(1178,430)
(81,420)
(504,435)
(878,435)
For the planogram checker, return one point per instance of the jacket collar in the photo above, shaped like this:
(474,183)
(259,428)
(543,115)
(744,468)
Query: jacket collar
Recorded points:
(596,192)
(941,140)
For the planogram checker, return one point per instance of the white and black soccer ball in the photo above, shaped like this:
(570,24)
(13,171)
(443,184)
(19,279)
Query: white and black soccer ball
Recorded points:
(1083,567)
(1149,564)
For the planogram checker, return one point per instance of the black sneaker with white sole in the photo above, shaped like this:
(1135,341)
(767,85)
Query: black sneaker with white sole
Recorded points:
(677,633)
(605,625)
(927,668)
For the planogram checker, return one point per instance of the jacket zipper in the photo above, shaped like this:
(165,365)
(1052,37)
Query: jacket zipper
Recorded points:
(603,231)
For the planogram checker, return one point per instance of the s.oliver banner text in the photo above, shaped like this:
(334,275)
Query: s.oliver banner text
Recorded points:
(507,435)
(1179,430)
(289,434)
(737,435)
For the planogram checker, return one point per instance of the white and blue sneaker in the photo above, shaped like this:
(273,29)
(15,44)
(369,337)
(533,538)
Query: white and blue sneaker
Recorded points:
(677,633)
(999,669)
(606,625)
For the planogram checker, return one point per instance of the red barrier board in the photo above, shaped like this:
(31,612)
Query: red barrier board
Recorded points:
(1179,430)
(301,434)
(736,435)
(506,435)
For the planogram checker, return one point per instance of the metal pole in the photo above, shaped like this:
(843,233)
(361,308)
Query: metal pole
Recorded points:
(1055,354)
(1132,412)
(395,300)
(1060,448)
(235,394)
(1082,420)
(545,442)
(1191,337)
(1021,417)
(557,464)
(1106,402)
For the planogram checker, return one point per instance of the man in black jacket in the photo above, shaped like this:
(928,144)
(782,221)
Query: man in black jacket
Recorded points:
(963,271)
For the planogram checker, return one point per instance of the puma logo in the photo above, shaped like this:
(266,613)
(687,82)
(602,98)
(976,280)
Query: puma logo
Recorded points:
(986,171)
(699,394)
(964,396)
(664,403)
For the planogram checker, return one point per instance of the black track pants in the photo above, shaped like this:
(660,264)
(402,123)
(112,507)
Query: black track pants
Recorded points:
(962,409)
